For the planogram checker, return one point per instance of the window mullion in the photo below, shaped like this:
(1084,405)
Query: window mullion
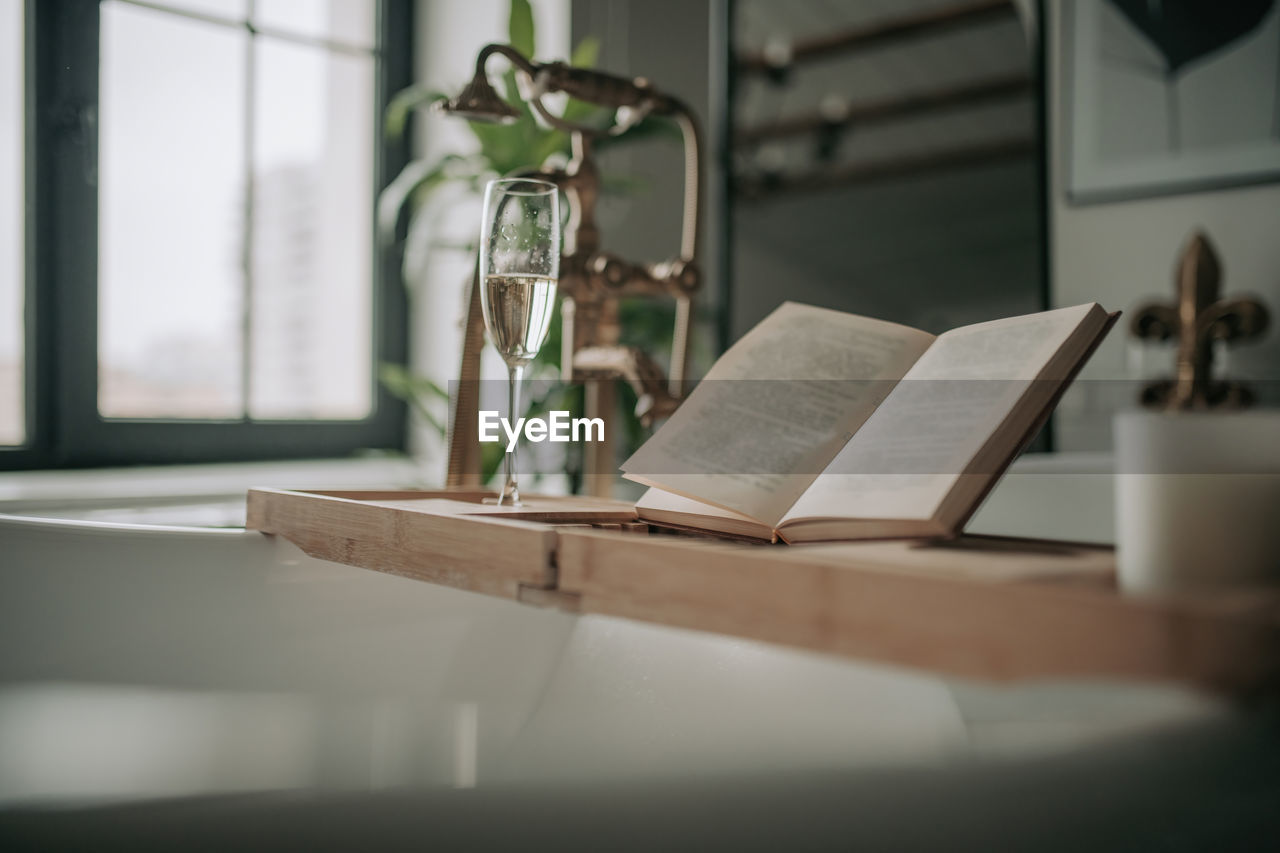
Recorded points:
(66,221)
(334,45)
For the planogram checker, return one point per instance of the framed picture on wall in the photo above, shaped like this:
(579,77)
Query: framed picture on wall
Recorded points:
(1169,96)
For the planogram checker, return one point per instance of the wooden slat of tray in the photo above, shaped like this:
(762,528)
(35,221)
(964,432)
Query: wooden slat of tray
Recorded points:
(443,537)
(985,608)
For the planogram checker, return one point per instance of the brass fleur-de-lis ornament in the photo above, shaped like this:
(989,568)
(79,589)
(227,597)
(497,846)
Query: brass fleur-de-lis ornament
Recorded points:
(1198,319)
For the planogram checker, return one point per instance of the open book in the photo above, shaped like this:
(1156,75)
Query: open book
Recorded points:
(822,425)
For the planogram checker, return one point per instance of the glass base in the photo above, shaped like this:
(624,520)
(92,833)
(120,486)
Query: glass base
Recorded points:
(510,497)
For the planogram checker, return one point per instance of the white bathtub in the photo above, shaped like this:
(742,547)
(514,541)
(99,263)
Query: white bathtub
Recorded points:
(142,662)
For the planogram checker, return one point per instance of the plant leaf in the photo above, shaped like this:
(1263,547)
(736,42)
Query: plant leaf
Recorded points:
(392,200)
(403,104)
(586,54)
(650,127)
(416,175)
(491,454)
(549,142)
(579,111)
(415,390)
(520,27)
(647,323)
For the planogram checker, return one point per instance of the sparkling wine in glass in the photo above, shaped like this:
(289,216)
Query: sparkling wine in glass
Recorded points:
(519,267)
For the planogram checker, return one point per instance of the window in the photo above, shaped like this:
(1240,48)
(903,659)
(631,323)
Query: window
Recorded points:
(12,357)
(206,284)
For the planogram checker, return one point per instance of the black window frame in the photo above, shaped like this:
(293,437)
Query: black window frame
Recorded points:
(63,426)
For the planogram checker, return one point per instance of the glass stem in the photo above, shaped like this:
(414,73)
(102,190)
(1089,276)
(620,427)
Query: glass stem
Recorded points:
(510,492)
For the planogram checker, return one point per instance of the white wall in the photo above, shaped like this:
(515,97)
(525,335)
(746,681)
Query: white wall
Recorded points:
(1123,253)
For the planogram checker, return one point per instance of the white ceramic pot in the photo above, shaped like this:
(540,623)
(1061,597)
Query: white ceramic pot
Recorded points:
(1197,499)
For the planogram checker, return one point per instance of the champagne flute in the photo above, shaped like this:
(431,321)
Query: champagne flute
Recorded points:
(519,267)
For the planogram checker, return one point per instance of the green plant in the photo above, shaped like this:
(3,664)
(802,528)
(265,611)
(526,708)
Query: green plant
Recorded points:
(502,149)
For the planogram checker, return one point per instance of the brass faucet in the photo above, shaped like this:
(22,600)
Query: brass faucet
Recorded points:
(1198,320)
(591,280)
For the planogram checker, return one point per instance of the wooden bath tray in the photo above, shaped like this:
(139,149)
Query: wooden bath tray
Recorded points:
(983,607)
(446,537)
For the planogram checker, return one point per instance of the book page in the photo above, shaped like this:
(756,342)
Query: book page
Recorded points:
(663,507)
(774,409)
(917,444)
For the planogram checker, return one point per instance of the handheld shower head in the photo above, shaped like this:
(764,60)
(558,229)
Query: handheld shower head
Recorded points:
(479,102)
